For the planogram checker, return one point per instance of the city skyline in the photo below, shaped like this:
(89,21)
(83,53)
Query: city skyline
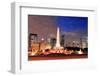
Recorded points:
(73,28)
(55,37)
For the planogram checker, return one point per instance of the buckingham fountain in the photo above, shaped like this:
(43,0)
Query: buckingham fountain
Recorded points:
(58,48)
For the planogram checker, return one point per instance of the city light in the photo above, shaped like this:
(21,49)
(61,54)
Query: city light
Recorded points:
(55,37)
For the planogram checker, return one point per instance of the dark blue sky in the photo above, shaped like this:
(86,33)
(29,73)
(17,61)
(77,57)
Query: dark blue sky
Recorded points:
(72,24)
(69,25)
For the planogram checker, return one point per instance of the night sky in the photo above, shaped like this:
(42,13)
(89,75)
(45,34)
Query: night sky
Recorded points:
(46,26)
(73,24)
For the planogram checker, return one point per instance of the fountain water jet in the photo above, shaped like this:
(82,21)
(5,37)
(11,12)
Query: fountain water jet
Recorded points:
(58,46)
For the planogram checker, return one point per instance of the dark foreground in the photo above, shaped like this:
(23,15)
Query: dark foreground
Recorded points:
(57,56)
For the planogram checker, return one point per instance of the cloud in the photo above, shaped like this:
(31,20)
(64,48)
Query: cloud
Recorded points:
(69,33)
